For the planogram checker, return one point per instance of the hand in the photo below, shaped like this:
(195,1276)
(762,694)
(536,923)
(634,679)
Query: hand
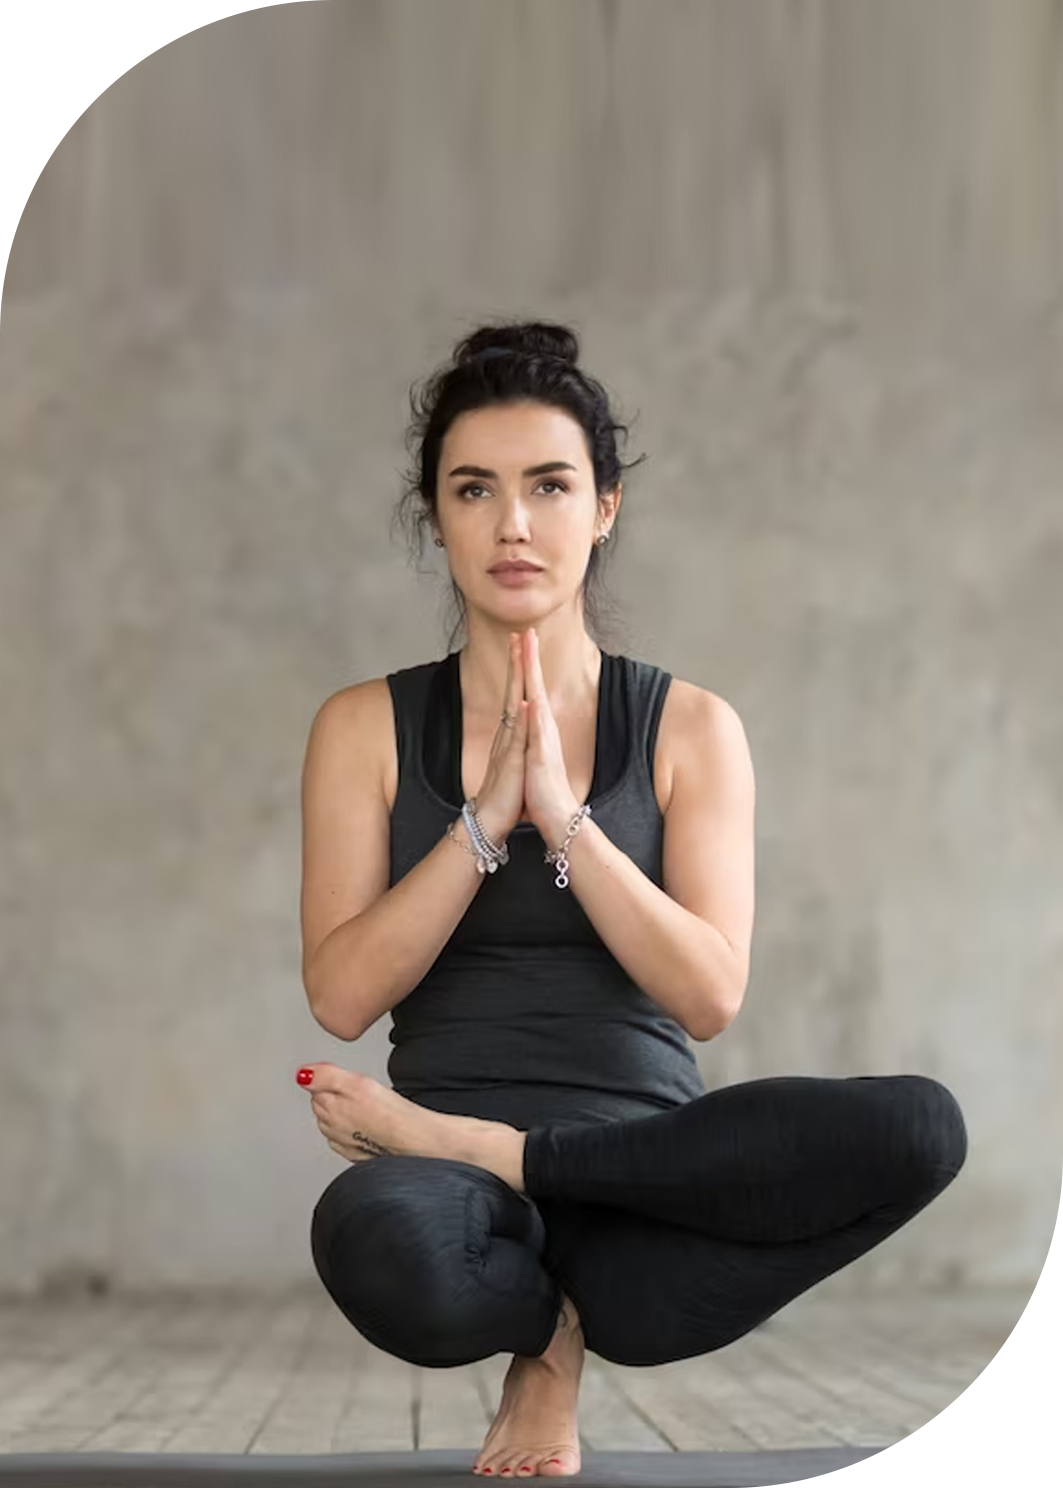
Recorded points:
(548,796)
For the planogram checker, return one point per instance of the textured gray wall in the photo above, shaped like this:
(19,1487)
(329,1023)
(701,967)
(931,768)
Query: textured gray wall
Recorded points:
(814,251)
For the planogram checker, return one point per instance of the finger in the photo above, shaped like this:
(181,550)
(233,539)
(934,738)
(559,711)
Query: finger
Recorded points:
(514,669)
(535,674)
(518,671)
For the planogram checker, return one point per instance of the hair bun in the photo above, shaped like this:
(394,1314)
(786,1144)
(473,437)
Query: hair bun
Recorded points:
(528,338)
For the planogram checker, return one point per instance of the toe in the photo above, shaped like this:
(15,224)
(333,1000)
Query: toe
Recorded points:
(560,1464)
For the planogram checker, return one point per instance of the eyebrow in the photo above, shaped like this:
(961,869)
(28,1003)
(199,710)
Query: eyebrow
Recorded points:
(531,470)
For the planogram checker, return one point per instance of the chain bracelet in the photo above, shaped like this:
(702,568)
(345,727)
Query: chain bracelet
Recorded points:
(558,857)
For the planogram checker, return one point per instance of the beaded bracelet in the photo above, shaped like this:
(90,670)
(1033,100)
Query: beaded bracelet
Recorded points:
(487,854)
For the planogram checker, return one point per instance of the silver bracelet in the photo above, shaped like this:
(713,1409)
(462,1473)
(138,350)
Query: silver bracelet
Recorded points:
(558,857)
(487,854)
(475,828)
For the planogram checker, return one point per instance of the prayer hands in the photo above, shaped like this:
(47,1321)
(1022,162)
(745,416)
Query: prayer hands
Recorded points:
(549,801)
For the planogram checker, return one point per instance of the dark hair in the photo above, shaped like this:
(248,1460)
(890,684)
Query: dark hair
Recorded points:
(510,362)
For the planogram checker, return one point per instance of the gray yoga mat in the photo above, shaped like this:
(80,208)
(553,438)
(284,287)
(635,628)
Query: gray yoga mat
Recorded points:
(423,1469)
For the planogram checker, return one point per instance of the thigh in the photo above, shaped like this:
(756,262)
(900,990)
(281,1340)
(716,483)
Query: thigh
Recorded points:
(649,1291)
(783,1158)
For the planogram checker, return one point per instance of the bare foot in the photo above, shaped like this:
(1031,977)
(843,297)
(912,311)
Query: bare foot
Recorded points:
(536,1420)
(364,1119)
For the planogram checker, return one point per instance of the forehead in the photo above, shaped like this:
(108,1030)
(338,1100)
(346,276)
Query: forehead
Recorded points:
(516,434)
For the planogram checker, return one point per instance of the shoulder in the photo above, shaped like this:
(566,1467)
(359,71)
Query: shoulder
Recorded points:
(700,728)
(705,717)
(700,709)
(356,703)
(689,716)
(684,701)
(362,716)
(355,723)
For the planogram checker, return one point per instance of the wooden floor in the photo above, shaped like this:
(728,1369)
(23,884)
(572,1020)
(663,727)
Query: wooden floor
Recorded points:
(288,1374)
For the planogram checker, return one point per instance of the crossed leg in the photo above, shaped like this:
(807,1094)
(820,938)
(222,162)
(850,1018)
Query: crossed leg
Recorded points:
(652,1292)
(673,1234)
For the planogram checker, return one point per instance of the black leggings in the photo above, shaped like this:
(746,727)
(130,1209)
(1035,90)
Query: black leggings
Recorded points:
(673,1234)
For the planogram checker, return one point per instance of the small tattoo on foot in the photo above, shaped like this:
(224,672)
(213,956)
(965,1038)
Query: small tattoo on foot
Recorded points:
(368,1145)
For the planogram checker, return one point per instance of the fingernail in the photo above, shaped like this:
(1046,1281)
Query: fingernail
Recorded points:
(304,1076)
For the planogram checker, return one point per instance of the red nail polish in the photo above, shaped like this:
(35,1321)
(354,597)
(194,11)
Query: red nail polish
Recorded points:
(305,1076)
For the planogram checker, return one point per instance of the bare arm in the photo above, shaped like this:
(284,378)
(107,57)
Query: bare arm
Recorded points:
(366,946)
(369,963)
(686,944)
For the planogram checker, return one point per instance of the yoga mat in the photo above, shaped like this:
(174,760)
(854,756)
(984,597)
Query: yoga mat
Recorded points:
(414,1469)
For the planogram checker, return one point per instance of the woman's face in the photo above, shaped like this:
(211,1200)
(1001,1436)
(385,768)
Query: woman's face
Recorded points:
(490,507)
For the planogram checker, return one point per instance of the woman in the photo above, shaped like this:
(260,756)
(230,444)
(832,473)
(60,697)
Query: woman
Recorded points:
(539,857)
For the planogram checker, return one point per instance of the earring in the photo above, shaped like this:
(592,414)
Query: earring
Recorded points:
(440,543)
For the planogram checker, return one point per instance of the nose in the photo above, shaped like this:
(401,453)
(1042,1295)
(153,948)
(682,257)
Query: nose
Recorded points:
(513,525)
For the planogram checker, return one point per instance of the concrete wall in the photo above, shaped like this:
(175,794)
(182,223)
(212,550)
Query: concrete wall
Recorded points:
(813,250)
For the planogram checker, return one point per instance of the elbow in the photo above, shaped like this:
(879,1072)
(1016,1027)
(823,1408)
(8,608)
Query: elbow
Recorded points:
(336,1029)
(708,1029)
(720,1013)
(340,1028)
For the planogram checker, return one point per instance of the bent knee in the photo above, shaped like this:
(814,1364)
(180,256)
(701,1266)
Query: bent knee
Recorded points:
(357,1218)
(392,1250)
(934,1131)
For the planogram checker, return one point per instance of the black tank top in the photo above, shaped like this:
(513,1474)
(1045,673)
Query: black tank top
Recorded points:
(526,1016)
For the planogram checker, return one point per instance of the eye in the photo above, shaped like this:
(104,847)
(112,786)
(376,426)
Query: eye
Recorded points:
(476,486)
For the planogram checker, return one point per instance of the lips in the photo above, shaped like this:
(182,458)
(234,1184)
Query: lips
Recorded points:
(515,568)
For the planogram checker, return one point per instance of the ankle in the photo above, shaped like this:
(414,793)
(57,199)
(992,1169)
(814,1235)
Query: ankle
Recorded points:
(504,1155)
(567,1335)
